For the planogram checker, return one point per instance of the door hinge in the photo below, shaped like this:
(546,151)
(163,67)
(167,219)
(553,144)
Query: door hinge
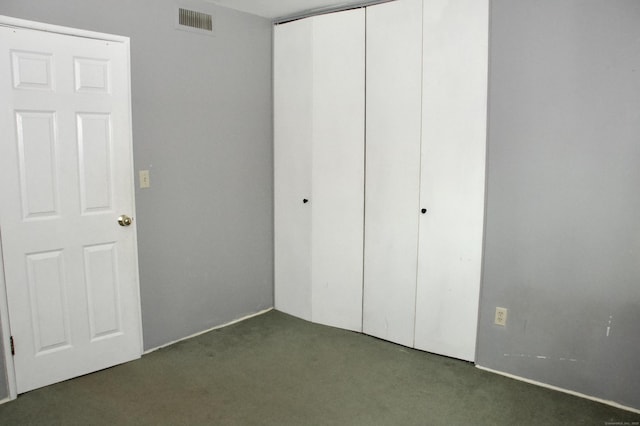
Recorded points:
(13,348)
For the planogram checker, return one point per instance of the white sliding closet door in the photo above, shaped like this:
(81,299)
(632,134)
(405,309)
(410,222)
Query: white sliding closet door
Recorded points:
(337,202)
(453,176)
(319,157)
(394,97)
(293,125)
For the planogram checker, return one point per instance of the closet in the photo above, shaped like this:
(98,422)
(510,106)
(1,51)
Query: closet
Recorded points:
(380,124)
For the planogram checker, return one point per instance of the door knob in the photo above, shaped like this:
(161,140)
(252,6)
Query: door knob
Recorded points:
(125,220)
(304,200)
(423,211)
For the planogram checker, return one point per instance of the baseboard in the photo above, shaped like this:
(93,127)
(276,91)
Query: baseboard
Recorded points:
(148,351)
(556,388)
(7,399)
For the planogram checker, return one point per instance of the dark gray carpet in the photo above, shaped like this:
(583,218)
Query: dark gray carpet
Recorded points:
(278,370)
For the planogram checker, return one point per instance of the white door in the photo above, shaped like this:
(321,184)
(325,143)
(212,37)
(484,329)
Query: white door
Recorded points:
(338,169)
(319,167)
(453,167)
(293,76)
(65,178)
(394,79)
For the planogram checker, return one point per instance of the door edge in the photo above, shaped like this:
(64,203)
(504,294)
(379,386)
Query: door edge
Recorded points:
(6,331)
(8,21)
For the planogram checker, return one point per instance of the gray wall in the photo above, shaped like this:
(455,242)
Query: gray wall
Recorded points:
(563,226)
(202,123)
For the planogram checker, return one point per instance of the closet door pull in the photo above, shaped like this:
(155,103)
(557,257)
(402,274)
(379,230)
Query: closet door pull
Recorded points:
(423,211)
(305,201)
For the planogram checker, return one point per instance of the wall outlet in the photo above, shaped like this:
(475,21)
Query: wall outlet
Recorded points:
(145,182)
(501,316)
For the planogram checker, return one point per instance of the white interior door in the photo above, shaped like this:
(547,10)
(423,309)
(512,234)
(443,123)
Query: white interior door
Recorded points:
(453,168)
(394,80)
(338,168)
(293,112)
(65,177)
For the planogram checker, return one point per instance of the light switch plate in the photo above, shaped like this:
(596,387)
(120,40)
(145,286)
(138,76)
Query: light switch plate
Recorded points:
(144,179)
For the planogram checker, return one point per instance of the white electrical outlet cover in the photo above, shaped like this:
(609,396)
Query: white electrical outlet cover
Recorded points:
(501,316)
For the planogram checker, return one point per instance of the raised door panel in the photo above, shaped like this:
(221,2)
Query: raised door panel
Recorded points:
(103,290)
(338,168)
(293,77)
(48,304)
(32,70)
(95,162)
(453,170)
(393,122)
(37,160)
(92,75)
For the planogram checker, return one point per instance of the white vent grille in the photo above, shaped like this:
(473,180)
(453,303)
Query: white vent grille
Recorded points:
(192,19)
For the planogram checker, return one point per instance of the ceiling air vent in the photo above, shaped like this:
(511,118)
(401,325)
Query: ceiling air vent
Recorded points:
(191,20)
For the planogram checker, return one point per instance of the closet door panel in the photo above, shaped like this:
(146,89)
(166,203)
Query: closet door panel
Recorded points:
(394,79)
(293,72)
(453,176)
(338,169)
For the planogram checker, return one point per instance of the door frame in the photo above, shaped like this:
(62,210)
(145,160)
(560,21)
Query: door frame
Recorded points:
(7,21)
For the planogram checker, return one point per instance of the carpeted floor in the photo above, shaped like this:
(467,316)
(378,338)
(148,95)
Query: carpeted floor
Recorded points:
(278,370)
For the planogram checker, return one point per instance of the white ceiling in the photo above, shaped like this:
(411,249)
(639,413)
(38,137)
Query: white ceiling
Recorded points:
(274,9)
